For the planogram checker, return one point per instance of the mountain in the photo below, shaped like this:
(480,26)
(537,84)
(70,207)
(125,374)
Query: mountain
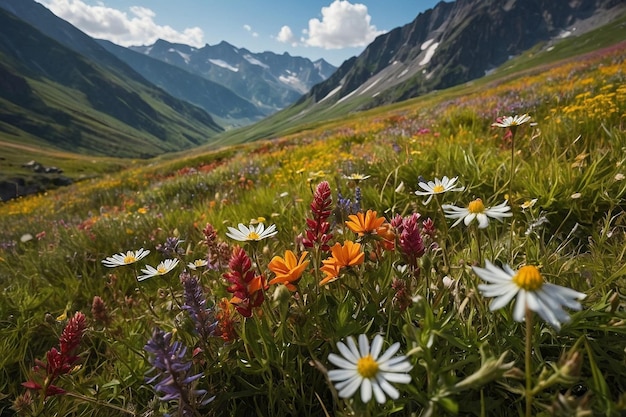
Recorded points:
(222,103)
(453,43)
(332,103)
(71,94)
(270,81)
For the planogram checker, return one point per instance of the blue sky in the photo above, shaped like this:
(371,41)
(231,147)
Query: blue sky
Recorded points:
(332,29)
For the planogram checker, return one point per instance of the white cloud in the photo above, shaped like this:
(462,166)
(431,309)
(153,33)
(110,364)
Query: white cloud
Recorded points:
(343,25)
(118,27)
(286,36)
(248,28)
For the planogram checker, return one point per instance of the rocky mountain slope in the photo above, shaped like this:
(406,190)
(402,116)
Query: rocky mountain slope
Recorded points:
(270,81)
(227,107)
(455,42)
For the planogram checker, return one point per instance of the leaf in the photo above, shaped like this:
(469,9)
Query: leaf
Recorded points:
(599,383)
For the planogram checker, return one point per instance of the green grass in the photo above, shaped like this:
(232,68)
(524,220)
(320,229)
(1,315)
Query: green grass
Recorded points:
(567,220)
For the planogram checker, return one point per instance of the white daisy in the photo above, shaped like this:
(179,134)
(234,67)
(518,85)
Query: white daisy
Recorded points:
(161,269)
(532,292)
(529,203)
(438,186)
(357,177)
(198,263)
(121,259)
(252,232)
(511,121)
(364,367)
(477,210)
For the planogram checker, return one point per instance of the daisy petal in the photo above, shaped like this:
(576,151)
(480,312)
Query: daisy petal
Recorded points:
(378,393)
(366,390)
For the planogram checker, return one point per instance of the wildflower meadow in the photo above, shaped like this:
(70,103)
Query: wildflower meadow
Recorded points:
(453,256)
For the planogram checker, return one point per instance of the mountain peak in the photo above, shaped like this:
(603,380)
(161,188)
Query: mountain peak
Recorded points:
(453,43)
(270,81)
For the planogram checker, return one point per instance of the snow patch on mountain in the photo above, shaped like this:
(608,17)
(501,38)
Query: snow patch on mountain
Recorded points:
(564,34)
(331,93)
(294,82)
(347,96)
(184,56)
(319,67)
(430,51)
(369,86)
(255,61)
(223,64)
(426,44)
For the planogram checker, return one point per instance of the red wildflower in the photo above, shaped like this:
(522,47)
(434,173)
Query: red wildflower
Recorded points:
(246,287)
(410,240)
(318,226)
(99,311)
(226,321)
(402,298)
(59,362)
(218,252)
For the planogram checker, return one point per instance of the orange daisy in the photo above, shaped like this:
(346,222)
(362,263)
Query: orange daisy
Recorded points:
(288,270)
(331,272)
(387,236)
(363,224)
(342,256)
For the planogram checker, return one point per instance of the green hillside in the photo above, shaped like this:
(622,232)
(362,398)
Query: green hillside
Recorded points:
(57,99)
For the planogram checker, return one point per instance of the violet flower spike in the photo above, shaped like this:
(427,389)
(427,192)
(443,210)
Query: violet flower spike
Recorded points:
(172,376)
(195,304)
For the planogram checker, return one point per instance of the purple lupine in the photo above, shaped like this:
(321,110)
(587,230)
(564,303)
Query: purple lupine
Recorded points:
(172,376)
(170,248)
(195,305)
(345,206)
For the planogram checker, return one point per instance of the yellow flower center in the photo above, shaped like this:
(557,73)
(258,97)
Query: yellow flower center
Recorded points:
(161,269)
(438,188)
(528,278)
(129,259)
(476,206)
(367,367)
(253,236)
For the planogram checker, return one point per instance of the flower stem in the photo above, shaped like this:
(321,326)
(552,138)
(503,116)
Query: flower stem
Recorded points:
(99,403)
(443,242)
(147,301)
(478,244)
(528,362)
(512,173)
(512,164)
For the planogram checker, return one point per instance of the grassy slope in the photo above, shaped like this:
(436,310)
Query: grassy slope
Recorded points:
(101,217)
(113,137)
(571,163)
(300,118)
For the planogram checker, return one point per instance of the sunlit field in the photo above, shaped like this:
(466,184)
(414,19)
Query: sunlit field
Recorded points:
(461,257)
